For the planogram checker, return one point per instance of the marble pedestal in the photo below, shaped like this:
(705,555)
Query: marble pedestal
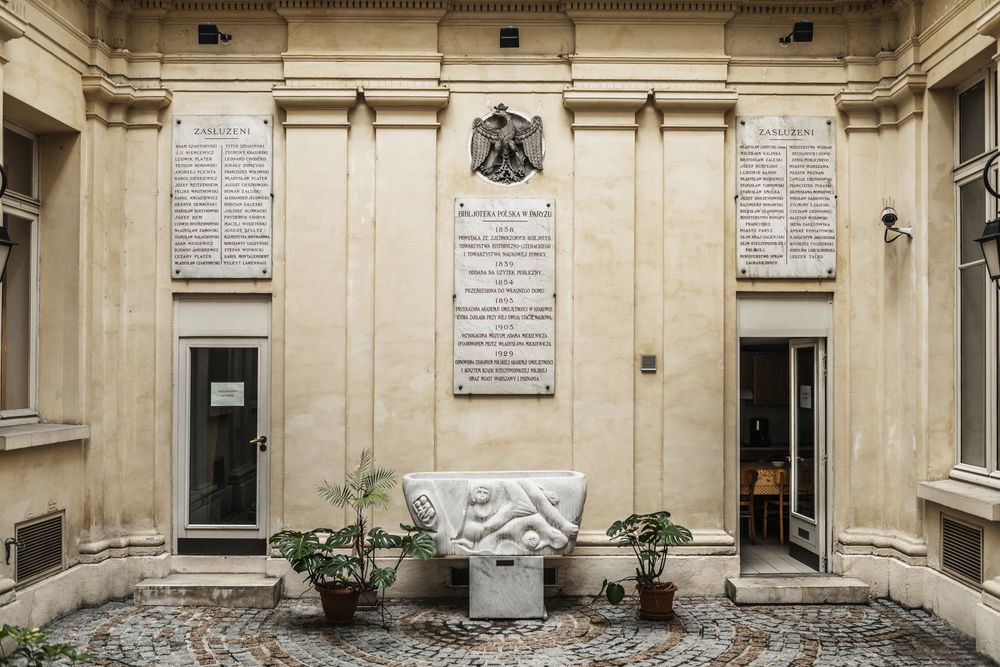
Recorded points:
(506,587)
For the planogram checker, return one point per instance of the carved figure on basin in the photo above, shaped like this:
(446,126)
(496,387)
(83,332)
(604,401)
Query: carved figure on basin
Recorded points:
(508,515)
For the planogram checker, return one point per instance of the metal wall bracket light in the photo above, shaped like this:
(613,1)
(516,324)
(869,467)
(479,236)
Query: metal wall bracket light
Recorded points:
(209,33)
(802,31)
(989,242)
(889,219)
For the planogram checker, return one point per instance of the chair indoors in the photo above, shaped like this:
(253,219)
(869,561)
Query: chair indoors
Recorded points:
(776,505)
(748,478)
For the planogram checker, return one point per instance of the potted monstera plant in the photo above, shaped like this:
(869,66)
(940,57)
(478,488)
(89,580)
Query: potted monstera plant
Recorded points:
(340,563)
(648,536)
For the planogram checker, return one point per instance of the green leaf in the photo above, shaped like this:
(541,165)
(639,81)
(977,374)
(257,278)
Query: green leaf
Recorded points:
(616,592)
(420,545)
(383,577)
(380,539)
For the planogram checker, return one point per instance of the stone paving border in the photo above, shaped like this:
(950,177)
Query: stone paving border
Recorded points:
(426,633)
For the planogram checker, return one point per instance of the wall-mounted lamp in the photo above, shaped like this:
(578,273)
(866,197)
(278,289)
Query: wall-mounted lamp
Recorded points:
(802,31)
(989,242)
(209,33)
(509,37)
(5,243)
(889,219)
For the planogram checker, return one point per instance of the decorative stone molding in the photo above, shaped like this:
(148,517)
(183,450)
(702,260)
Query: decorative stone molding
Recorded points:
(694,109)
(989,22)
(604,109)
(315,107)
(406,107)
(117,102)
(887,104)
(124,546)
(12,20)
(908,549)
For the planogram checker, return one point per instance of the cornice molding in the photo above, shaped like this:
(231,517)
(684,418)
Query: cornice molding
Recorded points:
(989,22)
(718,10)
(406,108)
(604,109)
(12,25)
(110,99)
(315,107)
(879,105)
(694,110)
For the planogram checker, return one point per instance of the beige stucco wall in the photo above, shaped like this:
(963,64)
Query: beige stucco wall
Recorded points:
(372,111)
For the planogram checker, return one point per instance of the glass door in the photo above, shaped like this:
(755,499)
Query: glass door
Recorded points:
(807,397)
(223,417)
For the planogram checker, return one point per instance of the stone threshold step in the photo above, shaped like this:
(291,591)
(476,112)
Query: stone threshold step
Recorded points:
(810,589)
(251,591)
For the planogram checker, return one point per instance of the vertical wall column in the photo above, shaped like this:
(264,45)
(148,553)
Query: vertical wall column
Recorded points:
(694,270)
(140,408)
(406,130)
(603,336)
(315,297)
(864,458)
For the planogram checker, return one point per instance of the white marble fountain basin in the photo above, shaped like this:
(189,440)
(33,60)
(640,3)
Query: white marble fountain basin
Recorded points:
(512,512)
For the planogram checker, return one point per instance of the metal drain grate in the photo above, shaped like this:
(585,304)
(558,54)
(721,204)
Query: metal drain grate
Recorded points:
(39,548)
(962,550)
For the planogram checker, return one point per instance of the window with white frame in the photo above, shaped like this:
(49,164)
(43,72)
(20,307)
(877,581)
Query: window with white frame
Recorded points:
(975,141)
(18,296)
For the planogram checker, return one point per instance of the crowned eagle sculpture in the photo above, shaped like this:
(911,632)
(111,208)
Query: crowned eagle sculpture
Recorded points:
(505,146)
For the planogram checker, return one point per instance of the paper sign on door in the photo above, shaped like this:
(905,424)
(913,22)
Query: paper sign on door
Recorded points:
(227,394)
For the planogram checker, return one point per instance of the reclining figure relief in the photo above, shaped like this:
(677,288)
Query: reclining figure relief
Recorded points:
(497,515)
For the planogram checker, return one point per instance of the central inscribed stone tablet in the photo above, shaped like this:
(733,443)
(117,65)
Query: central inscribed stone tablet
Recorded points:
(505,296)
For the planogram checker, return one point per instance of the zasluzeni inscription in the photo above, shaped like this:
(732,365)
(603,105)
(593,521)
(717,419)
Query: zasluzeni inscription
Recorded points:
(505,296)
(786,212)
(221,197)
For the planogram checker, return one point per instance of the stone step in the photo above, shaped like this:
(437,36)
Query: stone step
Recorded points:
(253,591)
(218,564)
(807,589)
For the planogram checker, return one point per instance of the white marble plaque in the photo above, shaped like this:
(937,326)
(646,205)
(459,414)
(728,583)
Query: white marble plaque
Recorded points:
(504,296)
(786,209)
(221,197)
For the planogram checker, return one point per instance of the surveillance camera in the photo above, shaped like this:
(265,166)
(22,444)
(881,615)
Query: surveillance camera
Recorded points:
(889,217)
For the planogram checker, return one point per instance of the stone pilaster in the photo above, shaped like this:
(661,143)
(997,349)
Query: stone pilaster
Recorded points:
(603,335)
(406,294)
(316,263)
(694,132)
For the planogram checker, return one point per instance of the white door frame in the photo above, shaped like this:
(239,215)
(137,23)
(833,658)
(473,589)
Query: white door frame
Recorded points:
(783,315)
(220,321)
(184,529)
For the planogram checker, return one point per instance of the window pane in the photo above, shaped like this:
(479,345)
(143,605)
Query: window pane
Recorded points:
(19,160)
(972,122)
(973,366)
(972,199)
(16,347)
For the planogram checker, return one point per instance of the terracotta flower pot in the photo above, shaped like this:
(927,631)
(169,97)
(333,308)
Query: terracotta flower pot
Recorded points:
(338,604)
(656,601)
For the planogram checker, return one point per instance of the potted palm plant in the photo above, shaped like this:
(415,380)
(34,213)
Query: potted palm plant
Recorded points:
(648,535)
(340,564)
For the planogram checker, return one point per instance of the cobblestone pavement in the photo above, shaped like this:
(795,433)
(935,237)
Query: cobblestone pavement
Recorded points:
(707,631)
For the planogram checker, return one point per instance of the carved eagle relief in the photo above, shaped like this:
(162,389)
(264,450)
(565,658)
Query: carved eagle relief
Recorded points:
(506,147)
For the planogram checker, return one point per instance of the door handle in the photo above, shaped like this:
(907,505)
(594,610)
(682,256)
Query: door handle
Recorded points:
(260,441)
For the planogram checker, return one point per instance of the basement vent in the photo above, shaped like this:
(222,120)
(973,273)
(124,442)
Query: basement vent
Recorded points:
(962,550)
(39,550)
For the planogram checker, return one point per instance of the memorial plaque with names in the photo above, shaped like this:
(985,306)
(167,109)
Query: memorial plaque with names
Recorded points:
(786,207)
(505,296)
(221,197)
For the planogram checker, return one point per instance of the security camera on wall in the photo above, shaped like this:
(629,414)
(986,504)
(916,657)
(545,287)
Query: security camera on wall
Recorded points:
(889,219)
